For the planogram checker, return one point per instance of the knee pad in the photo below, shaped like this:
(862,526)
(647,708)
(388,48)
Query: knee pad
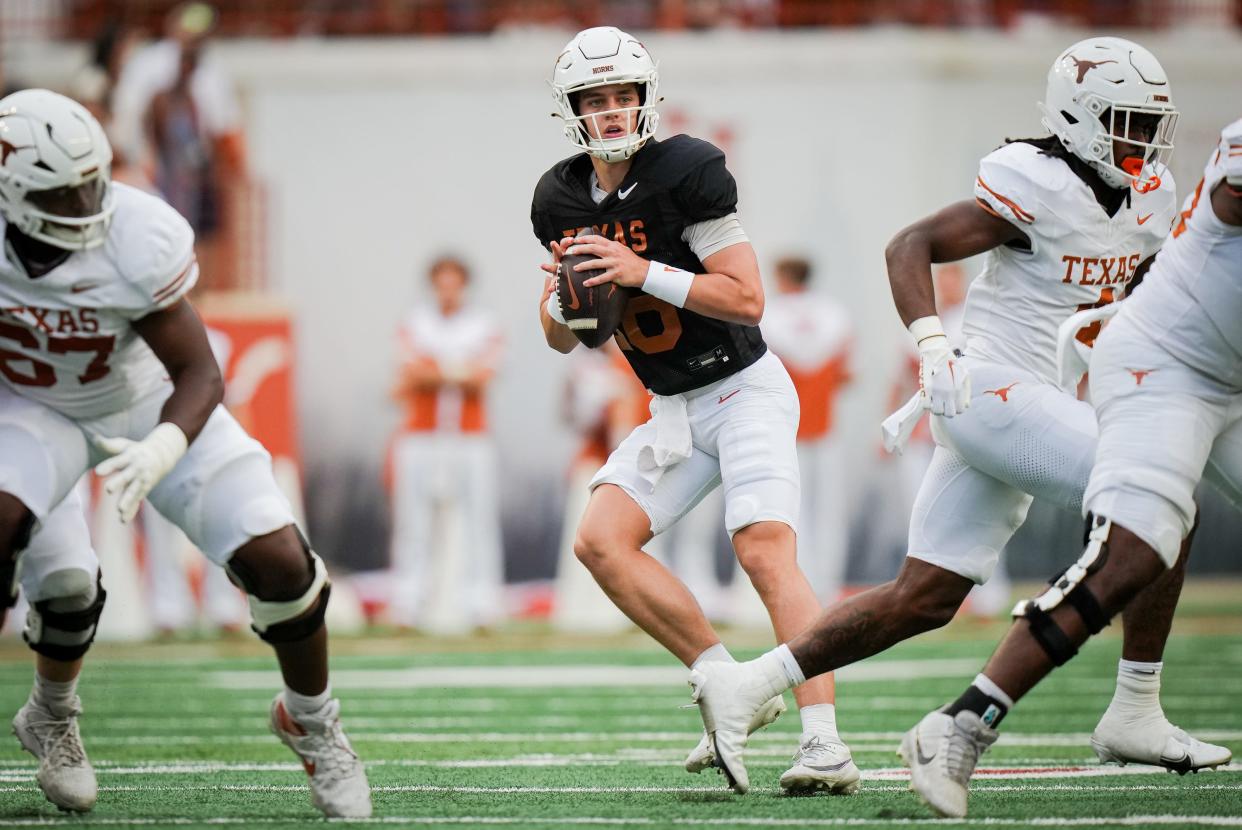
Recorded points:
(286,621)
(63,626)
(1067,587)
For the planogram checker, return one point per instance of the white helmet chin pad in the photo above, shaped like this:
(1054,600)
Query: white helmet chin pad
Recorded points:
(52,143)
(1107,89)
(597,57)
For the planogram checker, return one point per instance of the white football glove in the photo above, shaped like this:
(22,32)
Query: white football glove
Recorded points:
(944,384)
(137,466)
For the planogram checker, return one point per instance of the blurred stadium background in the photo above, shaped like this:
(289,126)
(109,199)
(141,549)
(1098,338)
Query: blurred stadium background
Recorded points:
(351,143)
(335,149)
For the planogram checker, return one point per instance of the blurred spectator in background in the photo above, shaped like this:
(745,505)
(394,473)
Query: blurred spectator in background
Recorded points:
(446,551)
(177,115)
(992,597)
(185,170)
(950,283)
(602,401)
(812,335)
(519,17)
(181,585)
(185,589)
(94,84)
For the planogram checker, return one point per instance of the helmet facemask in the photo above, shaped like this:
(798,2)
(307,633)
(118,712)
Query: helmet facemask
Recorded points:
(1147,131)
(55,170)
(599,57)
(75,218)
(577,126)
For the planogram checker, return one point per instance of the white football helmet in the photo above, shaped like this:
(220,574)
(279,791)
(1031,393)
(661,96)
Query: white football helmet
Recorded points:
(55,170)
(598,57)
(1096,89)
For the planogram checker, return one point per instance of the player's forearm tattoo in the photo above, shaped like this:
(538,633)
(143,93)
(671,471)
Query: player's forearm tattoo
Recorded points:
(843,636)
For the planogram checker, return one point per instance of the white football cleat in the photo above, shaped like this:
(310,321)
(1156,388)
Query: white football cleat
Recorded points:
(338,781)
(65,774)
(732,698)
(1154,741)
(941,752)
(822,765)
(703,756)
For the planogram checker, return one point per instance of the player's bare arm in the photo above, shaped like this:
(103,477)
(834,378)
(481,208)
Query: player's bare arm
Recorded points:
(558,335)
(1139,273)
(956,232)
(1227,202)
(177,337)
(730,290)
(961,230)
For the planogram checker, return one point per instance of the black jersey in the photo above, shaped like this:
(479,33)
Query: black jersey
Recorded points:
(671,185)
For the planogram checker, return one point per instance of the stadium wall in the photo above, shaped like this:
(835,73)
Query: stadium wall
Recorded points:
(377,155)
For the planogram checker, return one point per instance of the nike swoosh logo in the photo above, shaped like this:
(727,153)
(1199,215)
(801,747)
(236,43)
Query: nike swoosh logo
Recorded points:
(1182,764)
(1143,219)
(621,194)
(724,398)
(828,768)
(574,303)
(82,286)
(918,751)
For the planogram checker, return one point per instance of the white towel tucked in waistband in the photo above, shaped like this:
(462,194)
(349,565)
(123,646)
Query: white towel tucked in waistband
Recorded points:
(672,443)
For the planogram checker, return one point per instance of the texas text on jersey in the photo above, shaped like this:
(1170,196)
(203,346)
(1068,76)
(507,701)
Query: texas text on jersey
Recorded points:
(672,185)
(66,337)
(1079,256)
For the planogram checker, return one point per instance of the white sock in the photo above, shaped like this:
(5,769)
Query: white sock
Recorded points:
(1138,688)
(299,704)
(1144,671)
(819,719)
(717,653)
(984,684)
(772,675)
(56,697)
(793,672)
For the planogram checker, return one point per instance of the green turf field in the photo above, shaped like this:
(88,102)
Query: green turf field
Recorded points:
(529,730)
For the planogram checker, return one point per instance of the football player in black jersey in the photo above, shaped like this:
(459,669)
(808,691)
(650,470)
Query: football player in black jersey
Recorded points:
(724,410)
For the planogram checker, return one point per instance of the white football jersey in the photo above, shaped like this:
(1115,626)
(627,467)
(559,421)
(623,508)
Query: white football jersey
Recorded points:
(456,342)
(66,338)
(1191,301)
(1080,257)
(806,329)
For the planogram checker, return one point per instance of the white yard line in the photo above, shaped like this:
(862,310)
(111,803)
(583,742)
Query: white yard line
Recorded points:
(1016,771)
(554,677)
(581,821)
(880,741)
(456,701)
(537,790)
(1010,772)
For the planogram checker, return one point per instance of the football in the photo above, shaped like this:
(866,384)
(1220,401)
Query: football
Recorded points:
(594,313)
